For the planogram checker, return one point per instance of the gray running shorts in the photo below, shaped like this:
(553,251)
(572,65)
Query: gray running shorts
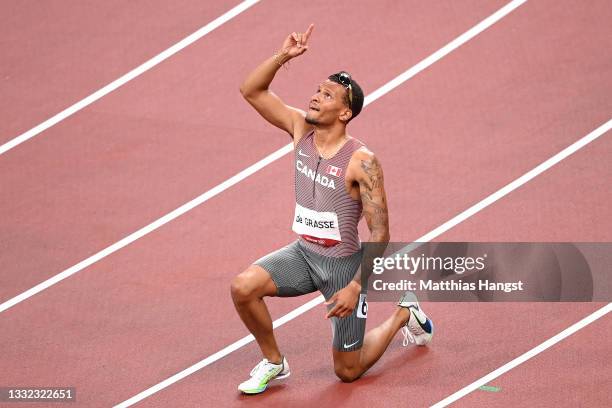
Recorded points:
(297,271)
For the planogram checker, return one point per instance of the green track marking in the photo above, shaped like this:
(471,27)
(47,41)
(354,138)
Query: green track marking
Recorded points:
(489,388)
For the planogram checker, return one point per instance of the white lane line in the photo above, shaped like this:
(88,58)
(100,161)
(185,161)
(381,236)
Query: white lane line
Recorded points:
(224,18)
(389,86)
(447,49)
(425,238)
(219,354)
(536,171)
(524,357)
(148,228)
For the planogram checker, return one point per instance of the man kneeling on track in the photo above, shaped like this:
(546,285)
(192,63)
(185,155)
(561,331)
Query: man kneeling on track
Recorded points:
(337,180)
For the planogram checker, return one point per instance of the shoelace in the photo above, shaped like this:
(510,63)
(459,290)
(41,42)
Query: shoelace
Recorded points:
(254,370)
(409,332)
(408,336)
(260,369)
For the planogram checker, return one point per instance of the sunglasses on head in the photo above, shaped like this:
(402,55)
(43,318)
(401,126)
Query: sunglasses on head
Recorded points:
(345,79)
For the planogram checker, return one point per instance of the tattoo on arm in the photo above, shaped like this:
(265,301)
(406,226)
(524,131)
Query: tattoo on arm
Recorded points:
(373,198)
(374,202)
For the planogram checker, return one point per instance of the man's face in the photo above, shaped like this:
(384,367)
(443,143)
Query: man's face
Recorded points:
(328,105)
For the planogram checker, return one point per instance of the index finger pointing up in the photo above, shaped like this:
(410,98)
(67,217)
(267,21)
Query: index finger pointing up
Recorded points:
(307,34)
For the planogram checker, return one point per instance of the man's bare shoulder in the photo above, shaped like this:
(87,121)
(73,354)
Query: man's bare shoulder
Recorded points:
(362,162)
(363,153)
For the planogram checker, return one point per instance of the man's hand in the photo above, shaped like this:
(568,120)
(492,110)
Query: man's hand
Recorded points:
(345,299)
(256,88)
(296,43)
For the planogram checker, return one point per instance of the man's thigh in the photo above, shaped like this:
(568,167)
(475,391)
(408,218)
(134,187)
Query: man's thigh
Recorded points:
(288,270)
(330,276)
(349,332)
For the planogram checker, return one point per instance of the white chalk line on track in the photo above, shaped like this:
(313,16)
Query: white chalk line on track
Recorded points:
(389,86)
(507,189)
(524,357)
(216,23)
(147,229)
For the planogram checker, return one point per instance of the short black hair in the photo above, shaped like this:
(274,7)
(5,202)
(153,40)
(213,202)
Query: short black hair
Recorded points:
(357,104)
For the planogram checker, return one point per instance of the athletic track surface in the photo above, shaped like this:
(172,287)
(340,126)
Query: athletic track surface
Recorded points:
(464,125)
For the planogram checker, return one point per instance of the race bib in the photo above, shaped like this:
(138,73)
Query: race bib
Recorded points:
(362,307)
(319,227)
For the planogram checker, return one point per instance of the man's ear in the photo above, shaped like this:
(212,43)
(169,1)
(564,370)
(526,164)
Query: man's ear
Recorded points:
(346,115)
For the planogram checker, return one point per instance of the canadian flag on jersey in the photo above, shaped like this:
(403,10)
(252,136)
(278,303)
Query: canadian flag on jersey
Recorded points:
(333,170)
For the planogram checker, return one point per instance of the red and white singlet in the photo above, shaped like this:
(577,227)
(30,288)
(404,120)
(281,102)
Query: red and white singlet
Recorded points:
(326,216)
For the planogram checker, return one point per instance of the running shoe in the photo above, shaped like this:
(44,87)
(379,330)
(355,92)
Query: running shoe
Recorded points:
(262,374)
(419,328)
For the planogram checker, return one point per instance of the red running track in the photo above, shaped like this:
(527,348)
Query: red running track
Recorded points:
(168,136)
(465,127)
(58,52)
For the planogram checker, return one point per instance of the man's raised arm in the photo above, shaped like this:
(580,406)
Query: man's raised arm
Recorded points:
(255,87)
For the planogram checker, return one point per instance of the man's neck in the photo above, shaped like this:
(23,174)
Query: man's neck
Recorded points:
(328,138)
